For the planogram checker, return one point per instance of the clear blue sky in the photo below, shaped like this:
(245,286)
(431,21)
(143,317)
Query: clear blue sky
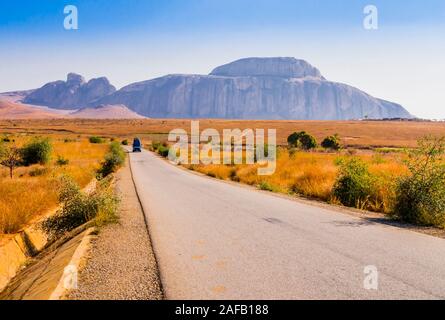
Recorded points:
(133,40)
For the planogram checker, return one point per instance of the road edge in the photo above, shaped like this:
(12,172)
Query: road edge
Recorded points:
(147,227)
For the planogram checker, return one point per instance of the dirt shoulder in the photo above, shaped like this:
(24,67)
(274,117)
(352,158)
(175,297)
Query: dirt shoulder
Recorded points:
(121,263)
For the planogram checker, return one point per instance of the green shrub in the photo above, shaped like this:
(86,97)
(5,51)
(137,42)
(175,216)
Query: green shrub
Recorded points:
(79,208)
(38,151)
(331,142)
(95,139)
(354,185)
(113,160)
(155,145)
(266,186)
(308,142)
(420,196)
(294,138)
(163,151)
(302,140)
(61,161)
(125,142)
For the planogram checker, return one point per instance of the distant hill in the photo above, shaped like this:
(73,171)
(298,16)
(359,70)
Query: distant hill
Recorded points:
(251,88)
(106,112)
(254,88)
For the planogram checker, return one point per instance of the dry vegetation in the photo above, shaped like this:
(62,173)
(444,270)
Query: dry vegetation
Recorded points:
(32,191)
(357,134)
(313,175)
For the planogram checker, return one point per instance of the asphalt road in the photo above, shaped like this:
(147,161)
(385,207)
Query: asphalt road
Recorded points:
(215,240)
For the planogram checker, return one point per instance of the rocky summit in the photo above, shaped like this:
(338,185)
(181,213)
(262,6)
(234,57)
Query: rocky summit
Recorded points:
(73,93)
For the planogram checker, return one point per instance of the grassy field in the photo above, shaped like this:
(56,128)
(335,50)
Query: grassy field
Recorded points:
(311,174)
(357,134)
(32,191)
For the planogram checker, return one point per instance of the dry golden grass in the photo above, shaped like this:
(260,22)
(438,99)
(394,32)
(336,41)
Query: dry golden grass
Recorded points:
(308,174)
(313,175)
(352,133)
(26,197)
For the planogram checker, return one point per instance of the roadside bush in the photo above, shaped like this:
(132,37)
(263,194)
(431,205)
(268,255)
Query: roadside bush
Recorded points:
(125,142)
(155,145)
(331,142)
(420,196)
(113,160)
(38,151)
(95,139)
(79,208)
(354,185)
(163,151)
(267,187)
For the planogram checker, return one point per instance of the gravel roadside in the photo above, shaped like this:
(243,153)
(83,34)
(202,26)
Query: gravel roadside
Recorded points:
(121,264)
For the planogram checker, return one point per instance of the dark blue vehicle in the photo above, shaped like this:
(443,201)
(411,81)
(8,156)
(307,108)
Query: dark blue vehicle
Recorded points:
(137,145)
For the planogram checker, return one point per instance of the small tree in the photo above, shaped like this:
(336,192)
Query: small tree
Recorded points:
(302,140)
(294,138)
(331,142)
(10,158)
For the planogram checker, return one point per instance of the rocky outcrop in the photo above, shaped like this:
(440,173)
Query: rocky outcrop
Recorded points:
(71,94)
(254,88)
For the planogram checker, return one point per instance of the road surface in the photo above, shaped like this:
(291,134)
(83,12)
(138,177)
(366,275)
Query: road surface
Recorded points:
(216,240)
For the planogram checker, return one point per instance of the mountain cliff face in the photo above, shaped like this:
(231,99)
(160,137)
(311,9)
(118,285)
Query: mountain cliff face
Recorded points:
(70,94)
(253,88)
